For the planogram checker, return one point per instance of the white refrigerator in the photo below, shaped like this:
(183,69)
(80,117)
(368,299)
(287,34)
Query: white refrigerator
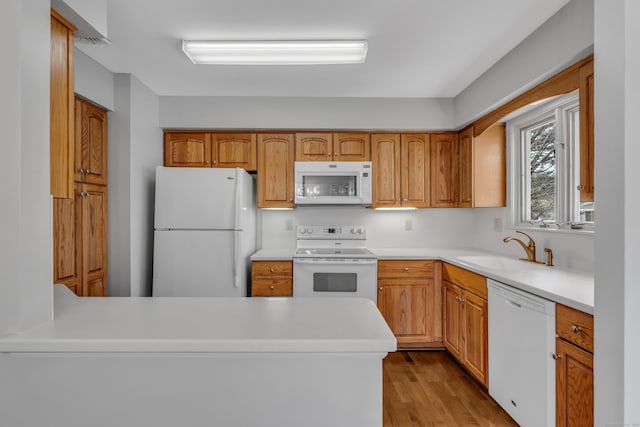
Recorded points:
(204,232)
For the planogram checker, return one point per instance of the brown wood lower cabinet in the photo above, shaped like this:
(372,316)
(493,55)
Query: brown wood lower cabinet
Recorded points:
(271,278)
(574,385)
(80,240)
(409,302)
(464,319)
(574,367)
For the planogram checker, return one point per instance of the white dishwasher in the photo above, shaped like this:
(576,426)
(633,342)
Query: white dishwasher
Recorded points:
(521,344)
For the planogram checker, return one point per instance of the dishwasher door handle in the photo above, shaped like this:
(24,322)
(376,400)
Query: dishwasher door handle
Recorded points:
(513,303)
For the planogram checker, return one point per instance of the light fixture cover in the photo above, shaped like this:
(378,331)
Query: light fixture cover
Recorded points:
(275,52)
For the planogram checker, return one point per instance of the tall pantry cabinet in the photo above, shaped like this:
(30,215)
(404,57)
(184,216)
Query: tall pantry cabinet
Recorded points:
(80,222)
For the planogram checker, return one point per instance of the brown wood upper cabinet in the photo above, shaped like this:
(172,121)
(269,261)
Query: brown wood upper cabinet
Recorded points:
(444,169)
(586,133)
(275,170)
(61,107)
(206,149)
(187,149)
(401,170)
(482,167)
(91,143)
(325,146)
(234,150)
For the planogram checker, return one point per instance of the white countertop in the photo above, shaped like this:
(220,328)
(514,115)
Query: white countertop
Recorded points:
(274,254)
(569,287)
(207,325)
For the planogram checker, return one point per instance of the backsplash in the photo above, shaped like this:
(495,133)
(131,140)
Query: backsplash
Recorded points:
(425,228)
(422,228)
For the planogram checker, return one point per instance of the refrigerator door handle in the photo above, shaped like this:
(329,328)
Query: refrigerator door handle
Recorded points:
(239,199)
(236,259)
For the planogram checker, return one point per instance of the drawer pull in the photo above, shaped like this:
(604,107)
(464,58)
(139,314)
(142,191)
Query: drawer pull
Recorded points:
(271,269)
(272,287)
(406,269)
(576,329)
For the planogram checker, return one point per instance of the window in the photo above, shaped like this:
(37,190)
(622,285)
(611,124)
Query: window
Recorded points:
(544,146)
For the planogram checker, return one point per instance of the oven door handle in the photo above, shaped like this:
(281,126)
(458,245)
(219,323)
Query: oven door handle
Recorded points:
(337,261)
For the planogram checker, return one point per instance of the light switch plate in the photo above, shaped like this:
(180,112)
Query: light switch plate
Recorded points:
(288,225)
(408,225)
(497,225)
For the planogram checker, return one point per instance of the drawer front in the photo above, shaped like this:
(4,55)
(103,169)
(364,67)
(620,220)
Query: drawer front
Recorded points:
(272,288)
(466,279)
(575,326)
(266,269)
(405,269)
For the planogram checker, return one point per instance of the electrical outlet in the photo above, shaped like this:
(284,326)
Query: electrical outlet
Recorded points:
(408,225)
(288,225)
(497,225)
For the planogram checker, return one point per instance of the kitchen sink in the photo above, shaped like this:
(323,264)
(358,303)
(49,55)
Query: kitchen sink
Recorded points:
(494,262)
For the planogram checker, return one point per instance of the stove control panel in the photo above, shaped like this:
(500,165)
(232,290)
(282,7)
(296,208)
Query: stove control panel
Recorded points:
(334,232)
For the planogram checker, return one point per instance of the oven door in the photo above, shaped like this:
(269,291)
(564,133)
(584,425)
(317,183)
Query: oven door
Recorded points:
(335,277)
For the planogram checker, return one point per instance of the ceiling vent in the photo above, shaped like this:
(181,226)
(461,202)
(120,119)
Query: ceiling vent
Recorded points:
(92,40)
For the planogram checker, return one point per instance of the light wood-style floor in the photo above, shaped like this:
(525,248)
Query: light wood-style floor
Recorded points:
(428,388)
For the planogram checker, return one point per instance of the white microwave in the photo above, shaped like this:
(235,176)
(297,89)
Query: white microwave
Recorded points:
(333,183)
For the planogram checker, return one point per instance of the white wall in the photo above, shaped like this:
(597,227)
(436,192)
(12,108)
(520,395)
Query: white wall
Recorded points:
(25,214)
(305,113)
(146,154)
(135,149)
(432,228)
(93,81)
(119,176)
(631,226)
(563,39)
(617,108)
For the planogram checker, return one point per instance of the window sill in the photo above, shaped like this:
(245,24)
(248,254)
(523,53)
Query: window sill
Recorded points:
(553,229)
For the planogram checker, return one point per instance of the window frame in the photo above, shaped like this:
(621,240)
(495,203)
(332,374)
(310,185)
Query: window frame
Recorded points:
(564,110)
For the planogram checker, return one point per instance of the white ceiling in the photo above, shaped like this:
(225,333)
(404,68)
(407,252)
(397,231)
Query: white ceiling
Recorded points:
(417,48)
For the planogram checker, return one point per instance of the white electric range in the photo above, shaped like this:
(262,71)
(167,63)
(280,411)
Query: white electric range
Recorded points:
(333,261)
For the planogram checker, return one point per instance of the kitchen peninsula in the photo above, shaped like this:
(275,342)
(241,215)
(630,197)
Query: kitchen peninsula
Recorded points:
(197,361)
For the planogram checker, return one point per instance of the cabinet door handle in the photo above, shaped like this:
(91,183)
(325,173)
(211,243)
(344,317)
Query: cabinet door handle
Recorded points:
(556,356)
(87,171)
(405,200)
(213,162)
(580,187)
(576,329)
(272,287)
(271,269)
(462,300)
(381,288)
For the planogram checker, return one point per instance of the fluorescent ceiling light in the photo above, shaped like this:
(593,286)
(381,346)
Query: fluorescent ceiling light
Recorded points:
(275,52)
